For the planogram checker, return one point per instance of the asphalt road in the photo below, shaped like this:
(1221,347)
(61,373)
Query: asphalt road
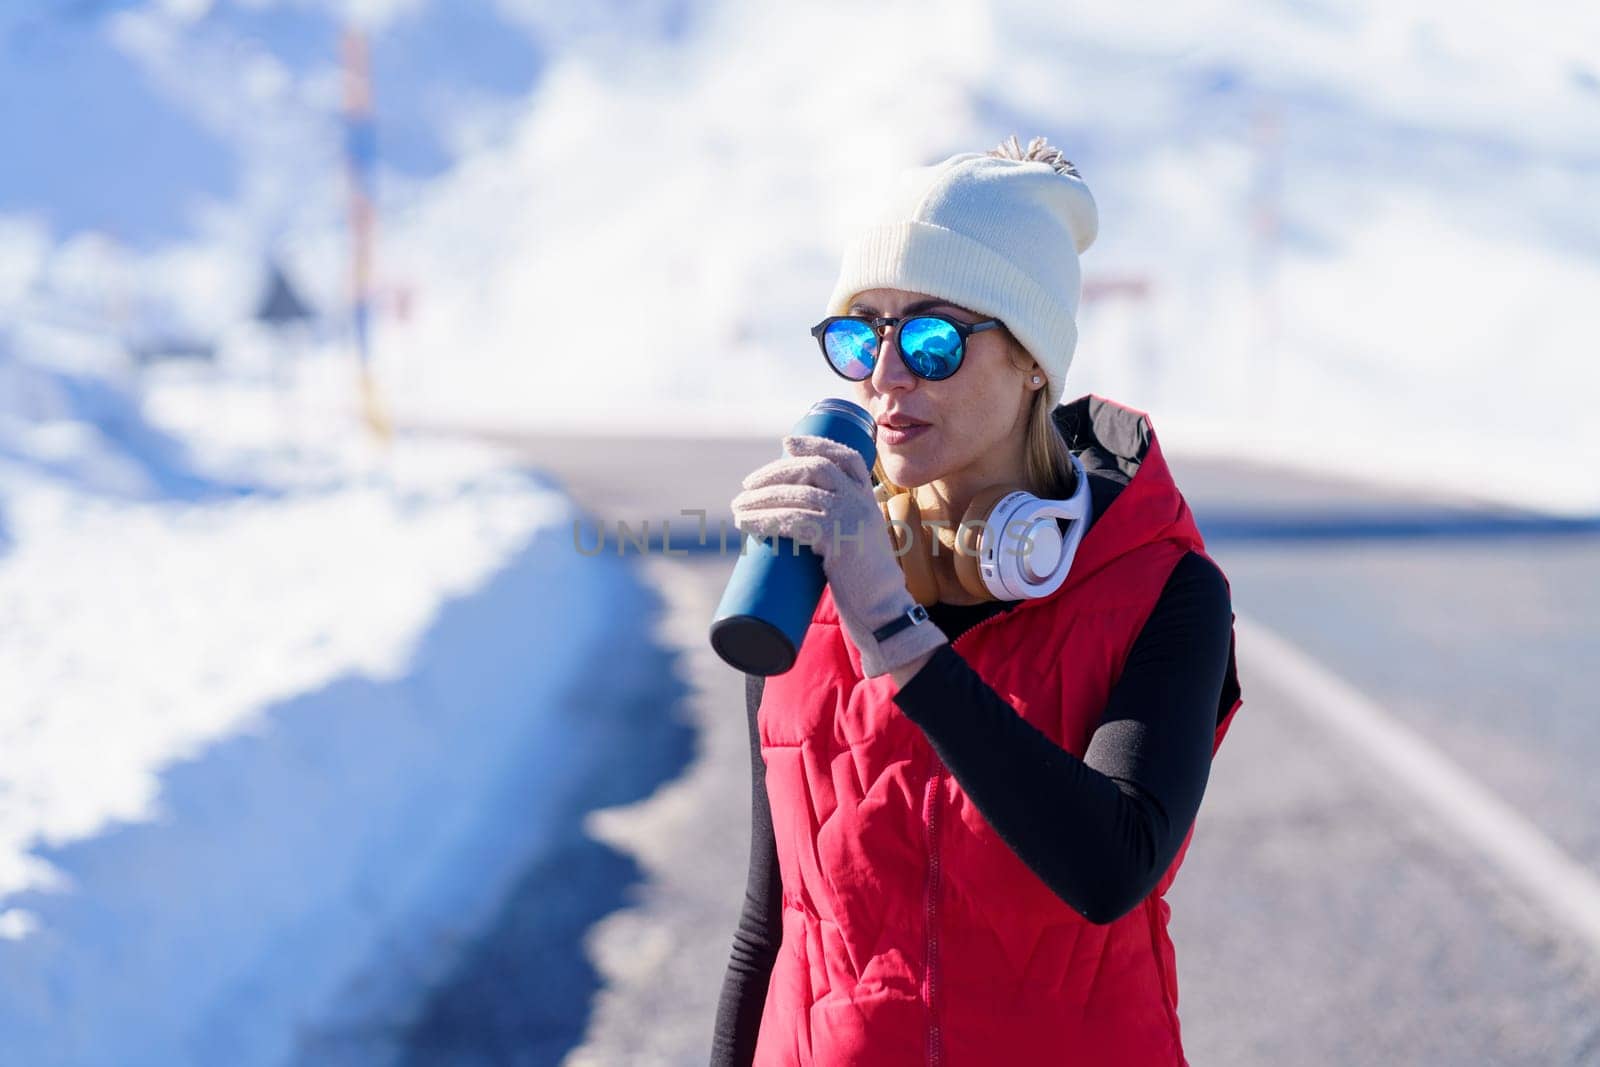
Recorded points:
(1325,913)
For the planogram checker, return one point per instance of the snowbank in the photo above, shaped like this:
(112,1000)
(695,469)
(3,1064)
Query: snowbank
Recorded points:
(264,745)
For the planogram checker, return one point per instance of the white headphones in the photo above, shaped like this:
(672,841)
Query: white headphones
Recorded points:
(1021,552)
(1008,544)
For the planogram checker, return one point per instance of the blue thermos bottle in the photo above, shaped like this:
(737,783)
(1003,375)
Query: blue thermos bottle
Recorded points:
(777,582)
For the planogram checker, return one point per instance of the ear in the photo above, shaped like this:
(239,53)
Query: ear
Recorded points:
(1030,369)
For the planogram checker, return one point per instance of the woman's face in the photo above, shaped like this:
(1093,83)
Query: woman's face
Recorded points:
(974,418)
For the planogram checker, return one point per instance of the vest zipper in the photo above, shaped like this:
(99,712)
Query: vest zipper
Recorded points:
(930,982)
(981,623)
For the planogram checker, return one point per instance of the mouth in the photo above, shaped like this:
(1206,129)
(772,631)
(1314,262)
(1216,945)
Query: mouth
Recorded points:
(898,429)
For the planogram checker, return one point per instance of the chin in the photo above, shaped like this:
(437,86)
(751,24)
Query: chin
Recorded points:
(903,473)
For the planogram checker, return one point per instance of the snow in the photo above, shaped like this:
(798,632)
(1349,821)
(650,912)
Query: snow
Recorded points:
(653,237)
(555,207)
(265,723)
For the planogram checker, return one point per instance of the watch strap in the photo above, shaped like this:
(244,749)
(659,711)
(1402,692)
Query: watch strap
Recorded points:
(913,615)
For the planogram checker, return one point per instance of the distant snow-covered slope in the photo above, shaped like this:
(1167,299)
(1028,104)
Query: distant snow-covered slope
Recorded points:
(1365,230)
(652,239)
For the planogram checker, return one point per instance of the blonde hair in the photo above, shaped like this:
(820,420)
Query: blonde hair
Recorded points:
(1047,462)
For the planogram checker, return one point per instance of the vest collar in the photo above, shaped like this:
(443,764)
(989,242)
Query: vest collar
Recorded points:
(1135,498)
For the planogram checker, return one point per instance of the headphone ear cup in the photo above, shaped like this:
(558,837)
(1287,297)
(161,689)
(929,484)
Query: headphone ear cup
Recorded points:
(914,561)
(969,540)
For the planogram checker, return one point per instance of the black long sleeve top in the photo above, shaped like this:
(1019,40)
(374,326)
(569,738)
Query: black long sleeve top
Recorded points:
(1099,831)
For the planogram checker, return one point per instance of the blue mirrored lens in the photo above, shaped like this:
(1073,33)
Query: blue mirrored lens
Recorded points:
(931,347)
(852,348)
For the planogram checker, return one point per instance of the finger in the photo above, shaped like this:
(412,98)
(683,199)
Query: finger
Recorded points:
(820,474)
(805,526)
(784,495)
(826,473)
(809,470)
(842,455)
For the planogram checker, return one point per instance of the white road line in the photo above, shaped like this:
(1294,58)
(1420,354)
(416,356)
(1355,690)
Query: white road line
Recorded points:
(1551,878)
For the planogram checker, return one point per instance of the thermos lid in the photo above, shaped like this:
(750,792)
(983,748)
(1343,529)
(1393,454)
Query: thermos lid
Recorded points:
(849,409)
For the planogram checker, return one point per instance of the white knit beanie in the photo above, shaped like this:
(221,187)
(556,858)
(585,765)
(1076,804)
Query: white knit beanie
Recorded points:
(999,236)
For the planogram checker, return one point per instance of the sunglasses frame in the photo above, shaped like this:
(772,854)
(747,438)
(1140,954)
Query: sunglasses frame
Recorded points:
(963,331)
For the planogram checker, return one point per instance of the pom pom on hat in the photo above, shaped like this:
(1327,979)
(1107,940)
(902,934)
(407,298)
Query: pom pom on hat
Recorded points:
(998,232)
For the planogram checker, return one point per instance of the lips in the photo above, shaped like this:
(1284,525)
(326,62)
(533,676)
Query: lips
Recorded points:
(899,431)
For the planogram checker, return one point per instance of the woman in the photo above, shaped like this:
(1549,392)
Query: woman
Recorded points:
(963,828)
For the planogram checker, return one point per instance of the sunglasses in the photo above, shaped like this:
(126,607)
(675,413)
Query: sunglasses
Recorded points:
(932,346)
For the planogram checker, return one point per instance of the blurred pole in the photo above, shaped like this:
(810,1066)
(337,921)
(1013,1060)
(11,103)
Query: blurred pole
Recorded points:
(1266,208)
(360,156)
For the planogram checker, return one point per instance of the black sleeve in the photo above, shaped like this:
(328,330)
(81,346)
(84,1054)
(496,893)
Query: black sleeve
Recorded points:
(1099,831)
(760,931)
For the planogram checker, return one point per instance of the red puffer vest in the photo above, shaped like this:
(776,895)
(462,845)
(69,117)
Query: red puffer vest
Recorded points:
(912,934)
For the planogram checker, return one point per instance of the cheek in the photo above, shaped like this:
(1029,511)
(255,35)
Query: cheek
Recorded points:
(993,398)
(961,444)
(973,429)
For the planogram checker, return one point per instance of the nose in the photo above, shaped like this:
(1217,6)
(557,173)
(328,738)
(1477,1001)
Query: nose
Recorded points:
(890,373)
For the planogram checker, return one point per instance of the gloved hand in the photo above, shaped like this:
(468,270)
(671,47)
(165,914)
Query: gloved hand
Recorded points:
(801,495)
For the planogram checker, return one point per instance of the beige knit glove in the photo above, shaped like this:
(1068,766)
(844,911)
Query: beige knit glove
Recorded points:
(817,488)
